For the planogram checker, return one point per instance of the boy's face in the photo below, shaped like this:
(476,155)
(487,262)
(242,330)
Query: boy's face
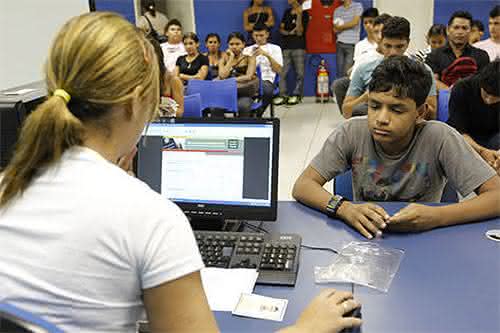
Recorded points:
(475,35)
(494,26)
(394,46)
(174,34)
(391,120)
(260,37)
(368,24)
(377,32)
(437,41)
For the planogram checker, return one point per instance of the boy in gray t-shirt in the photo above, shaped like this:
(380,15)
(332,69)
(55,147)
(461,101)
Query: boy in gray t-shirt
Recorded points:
(397,156)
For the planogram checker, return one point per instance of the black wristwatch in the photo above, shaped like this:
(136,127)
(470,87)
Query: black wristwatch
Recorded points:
(334,204)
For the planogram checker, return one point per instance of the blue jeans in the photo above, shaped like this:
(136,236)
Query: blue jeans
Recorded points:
(345,55)
(295,58)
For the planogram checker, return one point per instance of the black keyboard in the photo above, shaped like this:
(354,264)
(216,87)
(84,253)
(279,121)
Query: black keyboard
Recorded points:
(275,256)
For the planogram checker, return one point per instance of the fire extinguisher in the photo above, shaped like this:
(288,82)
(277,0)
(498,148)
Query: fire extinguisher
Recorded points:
(322,83)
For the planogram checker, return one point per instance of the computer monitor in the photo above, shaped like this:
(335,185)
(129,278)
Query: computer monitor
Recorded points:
(214,169)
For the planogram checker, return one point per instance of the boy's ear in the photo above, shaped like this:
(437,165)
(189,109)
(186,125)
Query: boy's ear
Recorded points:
(422,111)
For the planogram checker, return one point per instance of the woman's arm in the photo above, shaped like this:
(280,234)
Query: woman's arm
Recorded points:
(225,65)
(179,306)
(247,25)
(250,74)
(270,17)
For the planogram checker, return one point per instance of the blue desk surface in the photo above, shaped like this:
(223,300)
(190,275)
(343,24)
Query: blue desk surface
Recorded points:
(448,281)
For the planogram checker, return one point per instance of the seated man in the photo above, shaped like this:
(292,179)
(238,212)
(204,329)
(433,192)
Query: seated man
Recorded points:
(474,110)
(492,44)
(444,61)
(269,58)
(370,42)
(340,86)
(395,155)
(395,40)
(173,48)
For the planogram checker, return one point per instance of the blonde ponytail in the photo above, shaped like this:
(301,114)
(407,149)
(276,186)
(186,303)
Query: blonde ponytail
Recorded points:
(97,61)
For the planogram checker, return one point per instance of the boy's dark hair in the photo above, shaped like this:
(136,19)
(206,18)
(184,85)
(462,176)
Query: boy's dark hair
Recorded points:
(191,35)
(396,27)
(381,19)
(437,30)
(237,35)
(460,14)
(408,78)
(260,26)
(489,78)
(495,11)
(213,34)
(173,22)
(370,12)
(478,24)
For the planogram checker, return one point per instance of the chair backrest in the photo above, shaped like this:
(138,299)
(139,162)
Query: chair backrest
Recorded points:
(442,109)
(26,320)
(342,185)
(221,94)
(192,106)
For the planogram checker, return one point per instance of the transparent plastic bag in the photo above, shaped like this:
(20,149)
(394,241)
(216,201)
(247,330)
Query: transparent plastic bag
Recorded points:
(363,263)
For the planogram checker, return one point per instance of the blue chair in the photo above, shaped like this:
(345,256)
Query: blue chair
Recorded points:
(442,109)
(342,185)
(218,94)
(19,318)
(192,106)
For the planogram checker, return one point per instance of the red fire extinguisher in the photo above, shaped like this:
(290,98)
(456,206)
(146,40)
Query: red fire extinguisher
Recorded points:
(322,83)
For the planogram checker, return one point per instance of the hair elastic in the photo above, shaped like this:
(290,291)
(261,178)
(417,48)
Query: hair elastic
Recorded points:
(63,94)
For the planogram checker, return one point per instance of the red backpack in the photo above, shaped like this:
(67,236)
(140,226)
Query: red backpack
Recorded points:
(458,69)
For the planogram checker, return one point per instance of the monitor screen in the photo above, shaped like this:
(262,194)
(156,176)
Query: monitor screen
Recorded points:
(213,166)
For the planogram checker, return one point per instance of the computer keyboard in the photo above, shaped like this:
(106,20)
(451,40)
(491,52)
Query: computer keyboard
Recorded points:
(276,256)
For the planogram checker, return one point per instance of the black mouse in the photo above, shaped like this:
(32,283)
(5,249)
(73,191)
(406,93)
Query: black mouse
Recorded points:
(354,313)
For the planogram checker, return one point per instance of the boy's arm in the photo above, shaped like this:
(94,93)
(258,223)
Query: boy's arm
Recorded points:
(369,219)
(415,217)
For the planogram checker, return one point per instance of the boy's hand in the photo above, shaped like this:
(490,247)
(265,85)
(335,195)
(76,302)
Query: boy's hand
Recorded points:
(369,219)
(414,218)
(492,157)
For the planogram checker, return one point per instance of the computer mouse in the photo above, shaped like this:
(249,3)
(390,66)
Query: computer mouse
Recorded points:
(354,313)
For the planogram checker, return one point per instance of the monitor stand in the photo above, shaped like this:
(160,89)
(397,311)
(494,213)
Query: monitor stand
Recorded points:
(216,223)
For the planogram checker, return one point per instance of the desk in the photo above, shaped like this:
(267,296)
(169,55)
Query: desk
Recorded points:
(448,281)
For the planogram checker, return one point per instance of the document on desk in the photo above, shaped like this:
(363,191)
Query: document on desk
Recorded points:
(224,287)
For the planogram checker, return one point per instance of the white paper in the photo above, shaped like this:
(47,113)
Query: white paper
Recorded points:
(19,92)
(307,4)
(224,287)
(262,307)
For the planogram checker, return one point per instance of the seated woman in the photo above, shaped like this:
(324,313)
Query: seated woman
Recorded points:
(214,54)
(235,64)
(77,231)
(257,13)
(171,87)
(193,65)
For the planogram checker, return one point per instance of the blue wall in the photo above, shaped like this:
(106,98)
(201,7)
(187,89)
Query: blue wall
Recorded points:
(224,17)
(123,7)
(480,10)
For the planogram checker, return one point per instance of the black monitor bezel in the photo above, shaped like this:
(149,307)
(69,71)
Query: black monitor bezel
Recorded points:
(253,213)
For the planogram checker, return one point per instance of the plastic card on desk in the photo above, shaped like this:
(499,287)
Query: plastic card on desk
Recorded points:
(364,263)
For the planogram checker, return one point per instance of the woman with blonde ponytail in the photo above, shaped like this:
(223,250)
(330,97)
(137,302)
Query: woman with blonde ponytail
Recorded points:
(83,244)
